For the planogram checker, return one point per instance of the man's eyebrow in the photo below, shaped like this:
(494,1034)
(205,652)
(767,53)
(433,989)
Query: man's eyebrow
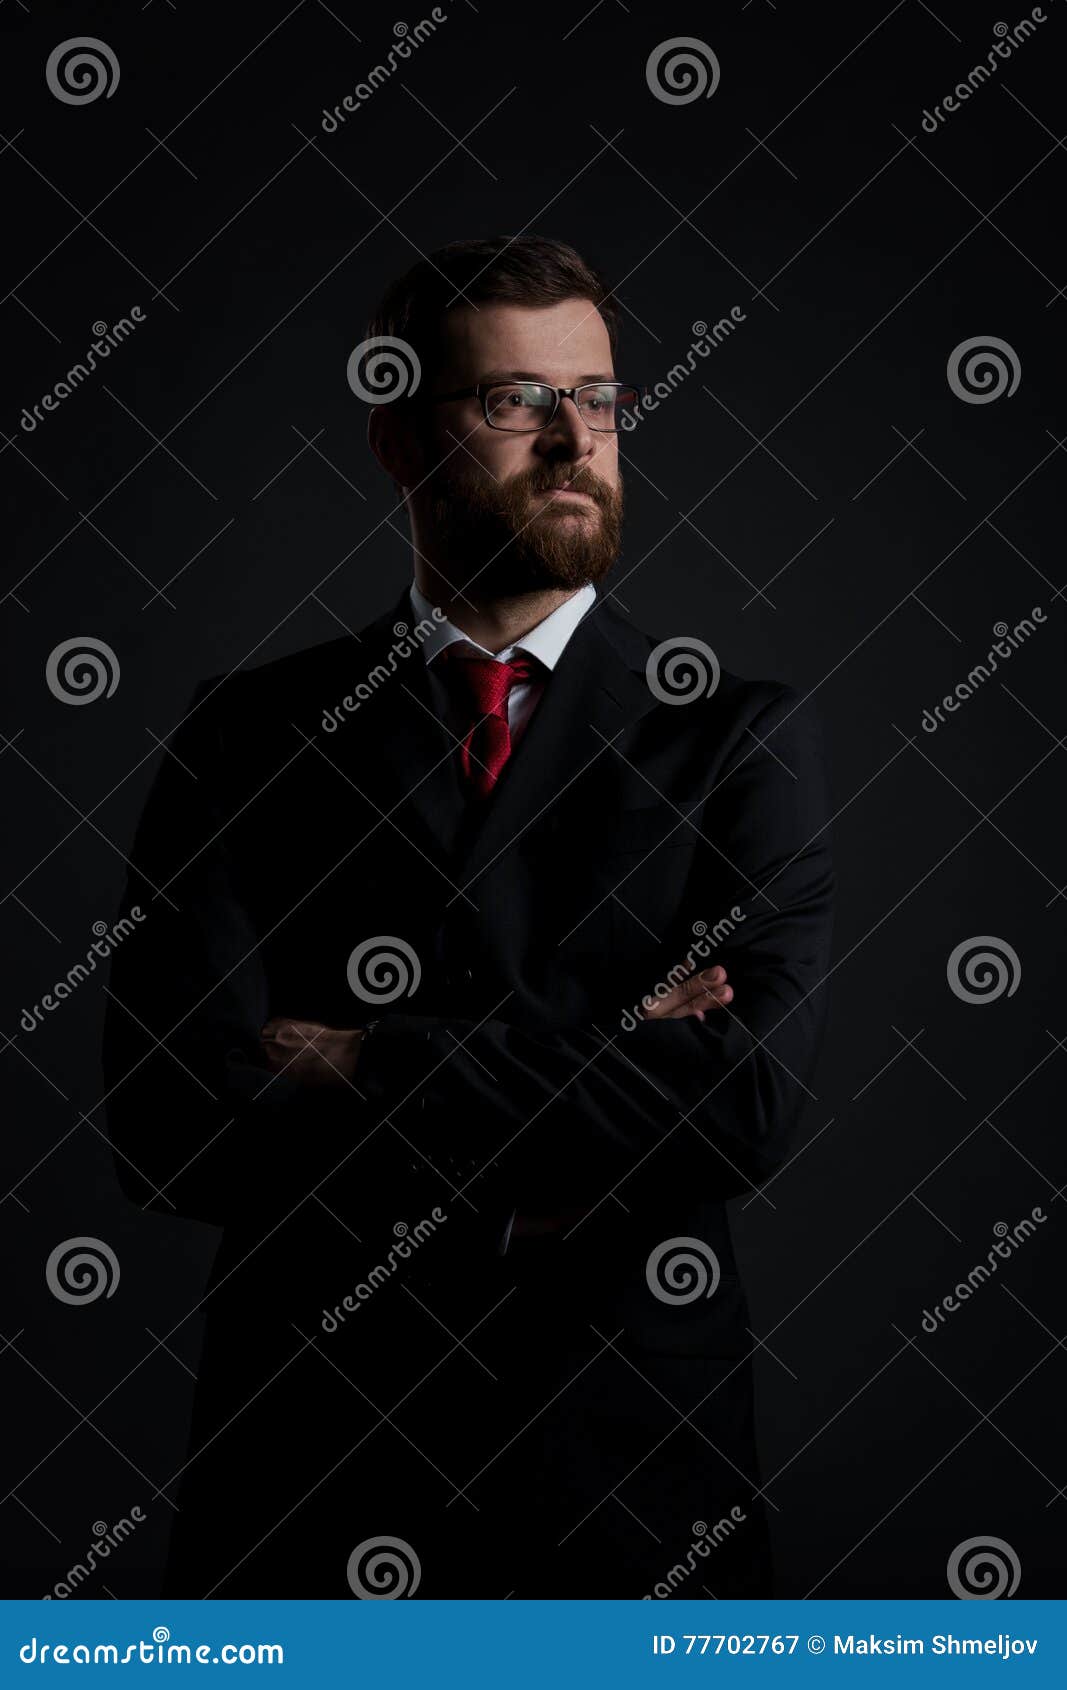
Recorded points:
(535,375)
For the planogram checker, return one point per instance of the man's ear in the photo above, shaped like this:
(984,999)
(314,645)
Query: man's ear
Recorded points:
(392,438)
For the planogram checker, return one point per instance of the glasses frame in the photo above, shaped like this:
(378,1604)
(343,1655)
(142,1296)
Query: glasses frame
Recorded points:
(484,388)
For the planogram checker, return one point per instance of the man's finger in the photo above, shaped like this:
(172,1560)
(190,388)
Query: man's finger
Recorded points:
(695,987)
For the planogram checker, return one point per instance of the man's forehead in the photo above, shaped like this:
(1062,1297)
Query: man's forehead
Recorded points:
(562,339)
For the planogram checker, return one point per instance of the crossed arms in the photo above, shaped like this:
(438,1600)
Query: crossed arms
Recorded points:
(205,1084)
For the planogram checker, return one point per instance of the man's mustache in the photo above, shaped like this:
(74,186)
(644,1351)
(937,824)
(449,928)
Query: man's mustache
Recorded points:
(584,481)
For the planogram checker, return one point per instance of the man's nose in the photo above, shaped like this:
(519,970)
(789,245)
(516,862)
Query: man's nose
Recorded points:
(566,430)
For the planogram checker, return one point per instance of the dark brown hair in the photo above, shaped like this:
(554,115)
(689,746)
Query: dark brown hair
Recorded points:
(520,270)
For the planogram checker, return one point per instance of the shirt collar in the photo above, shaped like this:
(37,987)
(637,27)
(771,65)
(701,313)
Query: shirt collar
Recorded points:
(545,642)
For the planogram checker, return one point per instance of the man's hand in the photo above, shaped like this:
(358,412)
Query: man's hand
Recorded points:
(696,995)
(314,1054)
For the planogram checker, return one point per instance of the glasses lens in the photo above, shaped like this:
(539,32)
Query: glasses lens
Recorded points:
(519,405)
(605,406)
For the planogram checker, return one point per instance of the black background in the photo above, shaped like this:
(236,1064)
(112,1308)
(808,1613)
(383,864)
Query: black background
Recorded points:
(206,501)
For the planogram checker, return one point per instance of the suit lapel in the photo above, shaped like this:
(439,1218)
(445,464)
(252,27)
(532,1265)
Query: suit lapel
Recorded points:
(398,753)
(595,692)
(396,750)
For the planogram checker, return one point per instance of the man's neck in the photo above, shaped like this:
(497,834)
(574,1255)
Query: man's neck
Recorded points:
(494,623)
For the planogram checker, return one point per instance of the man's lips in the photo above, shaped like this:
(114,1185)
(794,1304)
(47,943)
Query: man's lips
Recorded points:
(564,493)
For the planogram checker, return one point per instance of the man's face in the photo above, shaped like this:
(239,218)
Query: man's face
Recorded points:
(517,512)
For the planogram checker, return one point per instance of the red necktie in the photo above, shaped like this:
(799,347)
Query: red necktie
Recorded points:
(481,685)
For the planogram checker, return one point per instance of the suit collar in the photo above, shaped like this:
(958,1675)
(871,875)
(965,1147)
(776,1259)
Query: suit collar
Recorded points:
(399,752)
(546,641)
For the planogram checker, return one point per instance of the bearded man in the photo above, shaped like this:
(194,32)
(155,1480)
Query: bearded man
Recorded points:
(475,1327)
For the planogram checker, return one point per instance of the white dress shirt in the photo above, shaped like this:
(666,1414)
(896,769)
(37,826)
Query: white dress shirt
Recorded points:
(546,642)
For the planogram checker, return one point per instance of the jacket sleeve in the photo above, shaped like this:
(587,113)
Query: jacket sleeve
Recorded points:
(198,1124)
(562,1117)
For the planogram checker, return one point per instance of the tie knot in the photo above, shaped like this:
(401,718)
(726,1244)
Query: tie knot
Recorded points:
(486,681)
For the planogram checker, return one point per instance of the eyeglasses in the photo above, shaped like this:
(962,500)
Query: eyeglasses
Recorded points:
(523,407)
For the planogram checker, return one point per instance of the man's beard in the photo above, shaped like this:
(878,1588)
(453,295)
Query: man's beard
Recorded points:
(503,543)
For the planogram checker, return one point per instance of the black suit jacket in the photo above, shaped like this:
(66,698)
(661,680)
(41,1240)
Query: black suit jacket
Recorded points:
(549,1421)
